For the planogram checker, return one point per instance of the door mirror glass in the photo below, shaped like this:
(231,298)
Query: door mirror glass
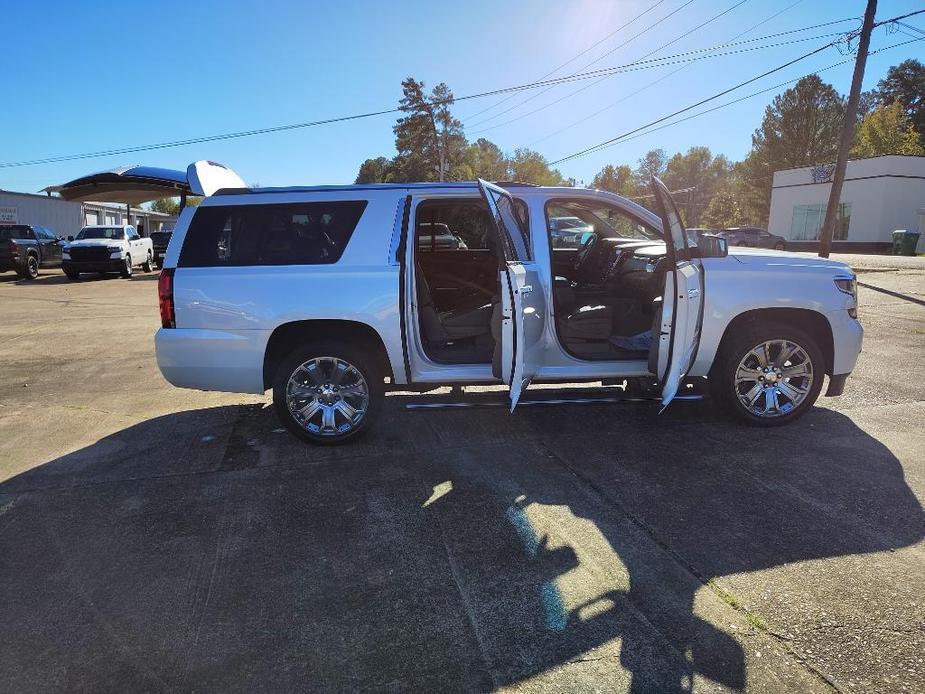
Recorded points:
(712,246)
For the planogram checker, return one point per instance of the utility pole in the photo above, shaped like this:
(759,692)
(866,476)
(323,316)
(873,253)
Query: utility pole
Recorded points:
(847,132)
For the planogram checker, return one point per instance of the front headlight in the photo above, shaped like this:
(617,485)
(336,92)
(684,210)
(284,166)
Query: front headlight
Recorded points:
(848,285)
(115,249)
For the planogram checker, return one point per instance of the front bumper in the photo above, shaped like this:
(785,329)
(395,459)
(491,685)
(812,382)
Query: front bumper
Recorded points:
(847,339)
(111,265)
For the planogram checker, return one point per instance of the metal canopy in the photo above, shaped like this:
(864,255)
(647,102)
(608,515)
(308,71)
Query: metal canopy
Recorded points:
(132,186)
(137,184)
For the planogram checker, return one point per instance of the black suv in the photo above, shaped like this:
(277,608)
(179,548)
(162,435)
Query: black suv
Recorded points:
(160,240)
(24,248)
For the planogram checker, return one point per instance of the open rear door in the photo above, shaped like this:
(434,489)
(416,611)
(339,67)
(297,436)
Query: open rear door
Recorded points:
(682,300)
(523,299)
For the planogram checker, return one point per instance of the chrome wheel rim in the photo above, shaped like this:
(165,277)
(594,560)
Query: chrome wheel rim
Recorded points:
(32,266)
(327,396)
(774,378)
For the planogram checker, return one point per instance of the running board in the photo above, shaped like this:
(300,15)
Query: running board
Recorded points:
(603,400)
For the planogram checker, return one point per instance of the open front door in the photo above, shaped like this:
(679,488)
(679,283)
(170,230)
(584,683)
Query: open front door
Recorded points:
(682,300)
(523,299)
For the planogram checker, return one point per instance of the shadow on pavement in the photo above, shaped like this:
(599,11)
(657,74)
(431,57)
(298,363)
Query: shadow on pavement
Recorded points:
(445,551)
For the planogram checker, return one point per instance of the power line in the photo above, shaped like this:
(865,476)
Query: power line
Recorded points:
(664,62)
(648,129)
(587,65)
(693,106)
(674,72)
(628,67)
(574,58)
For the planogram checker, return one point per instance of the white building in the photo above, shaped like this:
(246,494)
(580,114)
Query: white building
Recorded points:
(66,218)
(880,195)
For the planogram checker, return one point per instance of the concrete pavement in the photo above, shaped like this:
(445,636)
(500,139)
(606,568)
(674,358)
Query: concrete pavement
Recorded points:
(164,540)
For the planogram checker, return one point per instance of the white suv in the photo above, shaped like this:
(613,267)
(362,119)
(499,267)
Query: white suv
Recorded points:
(329,295)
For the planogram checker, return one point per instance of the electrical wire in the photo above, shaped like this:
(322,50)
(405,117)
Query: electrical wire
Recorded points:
(574,58)
(636,134)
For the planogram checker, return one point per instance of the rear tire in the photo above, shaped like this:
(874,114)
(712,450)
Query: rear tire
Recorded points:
(780,391)
(30,269)
(328,392)
(126,271)
(149,264)
(779,246)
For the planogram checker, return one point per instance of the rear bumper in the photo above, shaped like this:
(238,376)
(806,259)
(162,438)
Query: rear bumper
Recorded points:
(112,265)
(229,361)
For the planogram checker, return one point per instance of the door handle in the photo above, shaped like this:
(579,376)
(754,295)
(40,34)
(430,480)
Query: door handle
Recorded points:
(693,293)
(526,289)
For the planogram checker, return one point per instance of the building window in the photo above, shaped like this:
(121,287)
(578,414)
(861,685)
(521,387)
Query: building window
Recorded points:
(808,219)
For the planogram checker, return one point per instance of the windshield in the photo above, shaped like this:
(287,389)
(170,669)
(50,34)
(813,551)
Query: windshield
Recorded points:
(101,233)
(580,218)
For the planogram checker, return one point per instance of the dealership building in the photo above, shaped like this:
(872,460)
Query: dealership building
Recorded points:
(879,196)
(66,218)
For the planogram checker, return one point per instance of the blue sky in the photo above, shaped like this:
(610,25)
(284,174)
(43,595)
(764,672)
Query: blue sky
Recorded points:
(89,76)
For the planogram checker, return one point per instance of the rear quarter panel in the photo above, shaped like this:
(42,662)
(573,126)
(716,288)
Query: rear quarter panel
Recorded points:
(236,309)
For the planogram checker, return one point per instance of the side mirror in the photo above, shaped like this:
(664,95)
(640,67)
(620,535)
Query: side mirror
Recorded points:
(711,246)
(70,238)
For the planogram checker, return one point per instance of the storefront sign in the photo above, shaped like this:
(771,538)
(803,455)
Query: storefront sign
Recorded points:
(9,215)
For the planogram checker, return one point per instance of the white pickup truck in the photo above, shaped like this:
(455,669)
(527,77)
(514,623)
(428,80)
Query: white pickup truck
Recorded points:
(107,248)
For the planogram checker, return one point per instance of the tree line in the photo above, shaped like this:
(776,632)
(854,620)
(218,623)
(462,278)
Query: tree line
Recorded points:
(800,127)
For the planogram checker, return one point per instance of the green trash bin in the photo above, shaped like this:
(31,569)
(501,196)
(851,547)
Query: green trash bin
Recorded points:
(904,242)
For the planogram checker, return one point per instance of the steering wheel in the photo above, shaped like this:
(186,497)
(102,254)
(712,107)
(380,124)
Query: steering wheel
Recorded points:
(584,252)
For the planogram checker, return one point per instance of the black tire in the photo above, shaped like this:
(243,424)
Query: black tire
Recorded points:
(149,264)
(734,349)
(779,246)
(126,271)
(364,363)
(30,268)
(72,276)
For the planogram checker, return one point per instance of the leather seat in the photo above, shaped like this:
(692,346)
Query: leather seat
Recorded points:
(587,323)
(440,327)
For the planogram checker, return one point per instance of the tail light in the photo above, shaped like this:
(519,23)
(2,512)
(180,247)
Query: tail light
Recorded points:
(165,298)
(14,249)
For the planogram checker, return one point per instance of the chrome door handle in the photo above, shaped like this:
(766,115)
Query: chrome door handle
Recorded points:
(693,293)
(526,289)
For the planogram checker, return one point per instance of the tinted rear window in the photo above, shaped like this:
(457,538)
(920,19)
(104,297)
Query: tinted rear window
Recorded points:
(15,232)
(313,233)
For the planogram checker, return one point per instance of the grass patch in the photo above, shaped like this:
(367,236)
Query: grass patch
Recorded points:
(753,618)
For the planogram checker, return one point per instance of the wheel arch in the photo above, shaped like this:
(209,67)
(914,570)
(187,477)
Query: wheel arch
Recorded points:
(812,322)
(287,336)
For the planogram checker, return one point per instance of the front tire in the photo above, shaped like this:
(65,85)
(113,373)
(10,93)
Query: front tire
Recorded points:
(327,392)
(768,374)
(126,271)
(779,246)
(149,264)
(72,276)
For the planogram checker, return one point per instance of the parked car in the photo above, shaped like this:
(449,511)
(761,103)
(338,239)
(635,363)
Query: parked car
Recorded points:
(24,248)
(321,295)
(160,240)
(437,236)
(107,248)
(754,237)
(568,231)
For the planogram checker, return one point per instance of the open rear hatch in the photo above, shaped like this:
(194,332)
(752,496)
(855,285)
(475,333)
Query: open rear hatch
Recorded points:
(138,184)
